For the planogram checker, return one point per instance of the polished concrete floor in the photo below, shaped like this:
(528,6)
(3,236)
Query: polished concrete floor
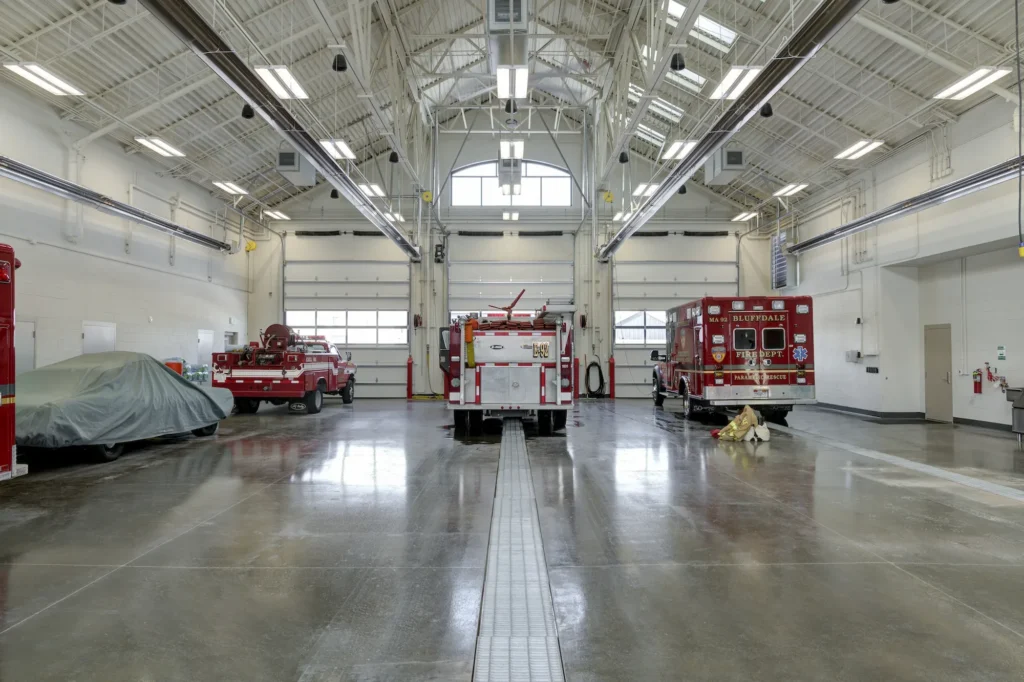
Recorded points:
(350,545)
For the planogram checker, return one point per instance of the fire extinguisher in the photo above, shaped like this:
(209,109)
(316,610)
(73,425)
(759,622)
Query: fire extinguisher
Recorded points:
(976,374)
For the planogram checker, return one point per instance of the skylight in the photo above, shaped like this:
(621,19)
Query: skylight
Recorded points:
(706,30)
(657,105)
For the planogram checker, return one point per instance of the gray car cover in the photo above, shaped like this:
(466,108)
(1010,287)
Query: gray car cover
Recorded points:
(106,398)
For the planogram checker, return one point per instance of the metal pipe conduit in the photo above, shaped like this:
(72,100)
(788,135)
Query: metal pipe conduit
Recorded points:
(1002,172)
(184,22)
(819,27)
(33,177)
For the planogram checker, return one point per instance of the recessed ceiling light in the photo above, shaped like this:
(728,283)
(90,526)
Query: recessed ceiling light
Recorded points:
(281,81)
(230,187)
(511,149)
(47,81)
(860,149)
(276,215)
(742,217)
(981,77)
(735,82)
(790,190)
(159,146)
(678,149)
(338,149)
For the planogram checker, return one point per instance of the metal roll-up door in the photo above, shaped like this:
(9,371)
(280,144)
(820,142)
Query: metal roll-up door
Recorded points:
(492,270)
(651,275)
(354,290)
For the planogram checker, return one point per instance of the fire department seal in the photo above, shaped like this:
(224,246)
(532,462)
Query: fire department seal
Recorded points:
(718,353)
(799,353)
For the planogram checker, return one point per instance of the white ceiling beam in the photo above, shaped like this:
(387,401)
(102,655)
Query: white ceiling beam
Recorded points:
(910,42)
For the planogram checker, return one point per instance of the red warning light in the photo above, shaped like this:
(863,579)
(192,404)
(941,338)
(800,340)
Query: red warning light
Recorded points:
(5,272)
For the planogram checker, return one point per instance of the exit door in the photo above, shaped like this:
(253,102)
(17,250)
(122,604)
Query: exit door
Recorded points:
(204,346)
(938,373)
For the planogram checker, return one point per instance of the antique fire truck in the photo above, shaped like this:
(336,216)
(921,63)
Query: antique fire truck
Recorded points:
(284,367)
(510,365)
(727,352)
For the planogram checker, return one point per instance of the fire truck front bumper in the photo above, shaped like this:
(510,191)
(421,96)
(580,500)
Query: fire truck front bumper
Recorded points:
(760,395)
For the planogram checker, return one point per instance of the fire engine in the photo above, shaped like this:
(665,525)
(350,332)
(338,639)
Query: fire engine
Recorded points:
(284,367)
(510,364)
(727,352)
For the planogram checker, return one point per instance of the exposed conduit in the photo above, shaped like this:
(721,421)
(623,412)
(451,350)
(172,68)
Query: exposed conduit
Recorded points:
(1008,170)
(184,22)
(14,170)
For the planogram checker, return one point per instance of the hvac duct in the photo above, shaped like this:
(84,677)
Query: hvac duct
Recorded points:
(1002,172)
(9,168)
(184,22)
(813,33)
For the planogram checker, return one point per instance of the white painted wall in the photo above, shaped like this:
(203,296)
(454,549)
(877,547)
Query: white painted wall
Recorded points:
(74,261)
(890,276)
(979,297)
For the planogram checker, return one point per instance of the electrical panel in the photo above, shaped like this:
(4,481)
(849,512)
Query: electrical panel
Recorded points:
(724,166)
(294,167)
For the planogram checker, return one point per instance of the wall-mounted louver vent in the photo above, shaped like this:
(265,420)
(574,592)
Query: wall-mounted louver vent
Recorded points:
(783,269)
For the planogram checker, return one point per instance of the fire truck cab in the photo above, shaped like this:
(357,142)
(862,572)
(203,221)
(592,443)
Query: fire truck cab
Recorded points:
(510,365)
(285,367)
(727,352)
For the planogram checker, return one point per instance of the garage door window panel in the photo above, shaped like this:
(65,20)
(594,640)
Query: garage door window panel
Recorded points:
(300,318)
(640,327)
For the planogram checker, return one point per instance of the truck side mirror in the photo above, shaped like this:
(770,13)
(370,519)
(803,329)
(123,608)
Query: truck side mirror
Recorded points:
(348,356)
(654,355)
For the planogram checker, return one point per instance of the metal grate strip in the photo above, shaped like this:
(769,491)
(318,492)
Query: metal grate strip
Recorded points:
(517,640)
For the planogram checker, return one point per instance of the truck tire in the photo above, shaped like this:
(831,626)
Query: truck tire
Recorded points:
(476,422)
(247,405)
(348,394)
(106,453)
(688,408)
(314,401)
(775,415)
(206,431)
(656,391)
(544,422)
(461,422)
(560,419)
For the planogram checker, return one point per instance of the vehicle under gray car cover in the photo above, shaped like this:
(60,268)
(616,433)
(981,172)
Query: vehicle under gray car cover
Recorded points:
(106,398)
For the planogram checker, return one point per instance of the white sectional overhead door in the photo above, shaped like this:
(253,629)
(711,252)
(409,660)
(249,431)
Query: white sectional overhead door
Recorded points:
(355,291)
(492,270)
(651,275)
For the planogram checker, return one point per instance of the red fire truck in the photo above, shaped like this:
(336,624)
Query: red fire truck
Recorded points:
(285,368)
(510,365)
(727,352)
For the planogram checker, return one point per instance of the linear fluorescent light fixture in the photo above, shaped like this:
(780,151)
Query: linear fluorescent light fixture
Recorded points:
(512,149)
(513,82)
(743,217)
(399,218)
(47,81)
(281,81)
(338,149)
(981,77)
(508,189)
(510,215)
(735,82)
(645,190)
(622,217)
(860,149)
(230,187)
(649,134)
(678,149)
(372,190)
(159,146)
(276,215)
(790,190)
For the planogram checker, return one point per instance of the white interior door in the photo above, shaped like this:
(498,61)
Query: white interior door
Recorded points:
(98,337)
(204,346)
(24,347)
